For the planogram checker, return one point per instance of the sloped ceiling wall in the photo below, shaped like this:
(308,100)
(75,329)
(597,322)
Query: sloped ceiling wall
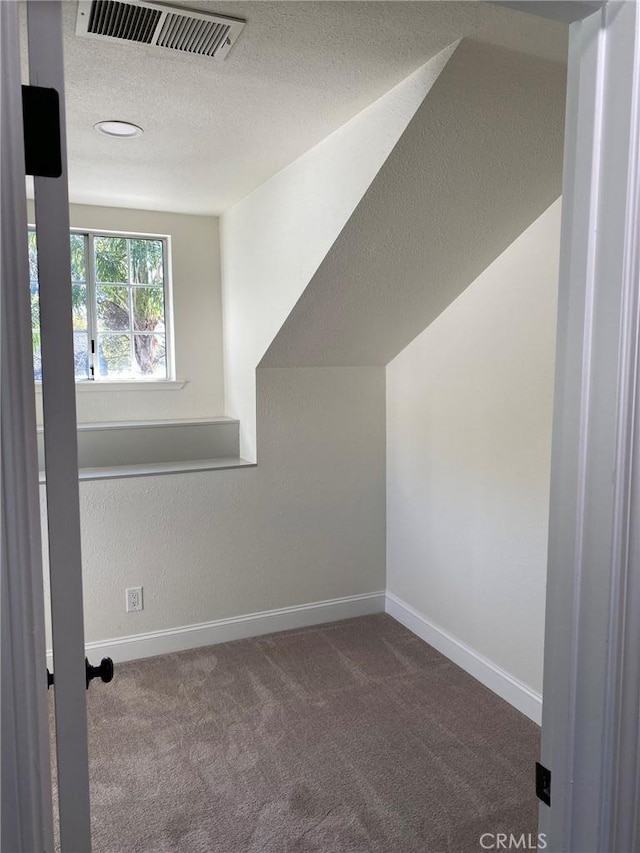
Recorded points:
(274,240)
(478,163)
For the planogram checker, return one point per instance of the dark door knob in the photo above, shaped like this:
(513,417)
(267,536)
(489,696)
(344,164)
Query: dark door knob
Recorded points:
(104,671)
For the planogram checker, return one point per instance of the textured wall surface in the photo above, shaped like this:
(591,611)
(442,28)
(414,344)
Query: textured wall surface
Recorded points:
(469,412)
(307,524)
(274,240)
(480,160)
(197,318)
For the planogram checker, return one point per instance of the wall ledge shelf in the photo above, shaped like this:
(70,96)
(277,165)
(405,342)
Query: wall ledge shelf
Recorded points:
(143,448)
(118,472)
(89,386)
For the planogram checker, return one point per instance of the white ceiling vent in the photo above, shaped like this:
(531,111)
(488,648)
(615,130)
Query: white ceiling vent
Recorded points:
(159,25)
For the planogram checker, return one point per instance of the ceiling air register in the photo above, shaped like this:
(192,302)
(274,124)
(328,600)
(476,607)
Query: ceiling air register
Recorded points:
(158,25)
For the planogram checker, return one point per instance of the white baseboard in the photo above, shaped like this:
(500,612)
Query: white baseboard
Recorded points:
(154,643)
(138,646)
(485,671)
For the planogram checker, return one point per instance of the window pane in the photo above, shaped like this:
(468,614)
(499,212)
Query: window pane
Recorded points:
(79,306)
(150,355)
(114,356)
(146,261)
(33,256)
(78,260)
(35,330)
(111,259)
(113,308)
(80,330)
(148,309)
(81,354)
(127,291)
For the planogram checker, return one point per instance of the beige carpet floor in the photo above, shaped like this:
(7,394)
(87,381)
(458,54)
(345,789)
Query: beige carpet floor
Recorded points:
(344,738)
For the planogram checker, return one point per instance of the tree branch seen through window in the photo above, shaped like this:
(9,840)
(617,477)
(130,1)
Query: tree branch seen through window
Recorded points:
(119,315)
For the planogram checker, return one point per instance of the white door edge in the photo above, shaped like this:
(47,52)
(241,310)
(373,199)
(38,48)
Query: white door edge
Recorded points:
(46,69)
(27,821)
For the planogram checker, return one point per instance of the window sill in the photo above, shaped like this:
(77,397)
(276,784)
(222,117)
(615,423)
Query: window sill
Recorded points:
(132,385)
(156,469)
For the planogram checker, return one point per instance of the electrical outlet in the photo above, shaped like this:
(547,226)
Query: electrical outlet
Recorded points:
(134,598)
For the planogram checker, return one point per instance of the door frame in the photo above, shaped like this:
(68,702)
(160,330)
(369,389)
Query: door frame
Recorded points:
(591,678)
(591,683)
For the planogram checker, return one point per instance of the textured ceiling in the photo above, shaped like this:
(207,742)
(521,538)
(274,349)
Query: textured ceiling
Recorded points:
(214,131)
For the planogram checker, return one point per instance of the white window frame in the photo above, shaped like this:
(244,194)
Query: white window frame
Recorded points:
(95,380)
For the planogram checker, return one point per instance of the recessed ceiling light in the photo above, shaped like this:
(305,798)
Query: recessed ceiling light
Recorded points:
(123,129)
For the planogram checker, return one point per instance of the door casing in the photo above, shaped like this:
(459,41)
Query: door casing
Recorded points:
(591,681)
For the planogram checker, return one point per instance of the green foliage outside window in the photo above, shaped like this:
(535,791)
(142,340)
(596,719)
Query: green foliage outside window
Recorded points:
(128,313)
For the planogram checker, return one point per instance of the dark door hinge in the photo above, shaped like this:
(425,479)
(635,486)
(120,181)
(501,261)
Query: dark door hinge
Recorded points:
(543,784)
(41,129)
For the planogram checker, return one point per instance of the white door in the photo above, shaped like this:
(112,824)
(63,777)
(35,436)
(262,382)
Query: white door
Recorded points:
(59,410)
(26,776)
(26,773)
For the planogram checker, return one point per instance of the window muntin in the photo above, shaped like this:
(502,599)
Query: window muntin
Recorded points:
(120,306)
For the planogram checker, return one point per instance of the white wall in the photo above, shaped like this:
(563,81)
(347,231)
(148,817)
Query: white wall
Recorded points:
(308,524)
(480,160)
(469,410)
(274,239)
(197,320)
